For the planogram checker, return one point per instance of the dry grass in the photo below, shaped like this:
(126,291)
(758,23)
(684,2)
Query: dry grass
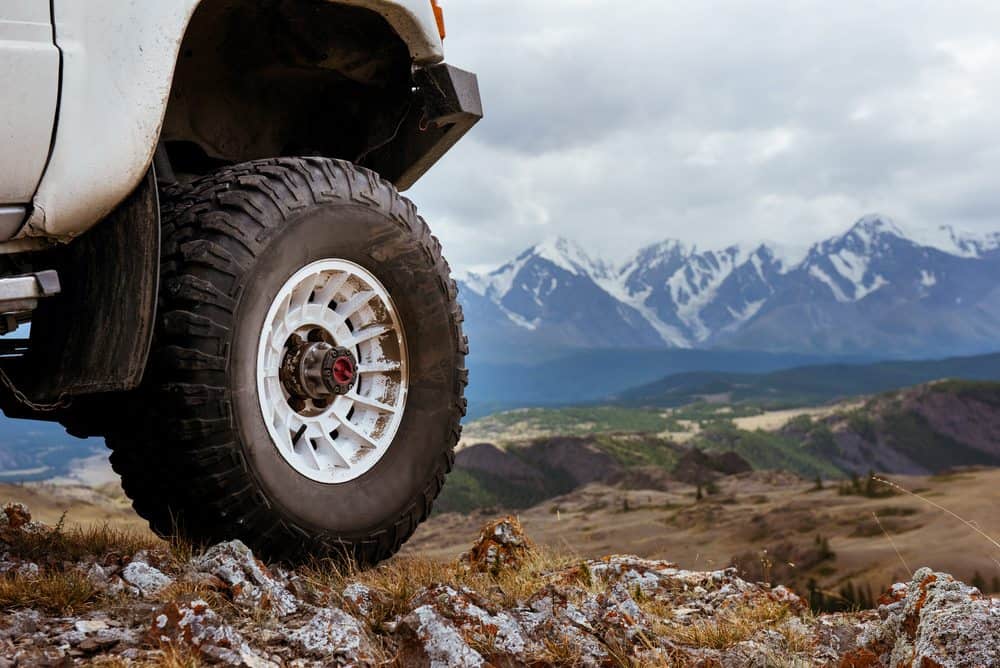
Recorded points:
(561,651)
(729,626)
(77,543)
(170,657)
(62,593)
(174,657)
(796,642)
(59,588)
(399,580)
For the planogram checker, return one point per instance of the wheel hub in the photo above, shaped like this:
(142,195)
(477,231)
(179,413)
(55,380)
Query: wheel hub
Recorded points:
(317,370)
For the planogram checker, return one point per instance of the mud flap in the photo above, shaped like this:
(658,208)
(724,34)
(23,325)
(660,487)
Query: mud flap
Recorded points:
(95,336)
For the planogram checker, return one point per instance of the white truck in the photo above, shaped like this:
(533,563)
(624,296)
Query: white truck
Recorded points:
(200,218)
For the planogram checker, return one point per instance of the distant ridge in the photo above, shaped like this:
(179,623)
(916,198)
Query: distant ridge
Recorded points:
(808,385)
(877,290)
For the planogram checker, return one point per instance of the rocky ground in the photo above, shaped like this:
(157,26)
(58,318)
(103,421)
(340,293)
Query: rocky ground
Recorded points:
(101,597)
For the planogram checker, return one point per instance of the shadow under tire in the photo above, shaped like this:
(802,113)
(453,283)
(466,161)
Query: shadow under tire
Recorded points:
(195,452)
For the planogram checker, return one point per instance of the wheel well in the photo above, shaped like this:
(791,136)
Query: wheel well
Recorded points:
(284,77)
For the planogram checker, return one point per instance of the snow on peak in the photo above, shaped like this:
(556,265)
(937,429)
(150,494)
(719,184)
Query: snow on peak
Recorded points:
(669,248)
(948,239)
(875,225)
(568,256)
(786,256)
(563,253)
(681,291)
(696,284)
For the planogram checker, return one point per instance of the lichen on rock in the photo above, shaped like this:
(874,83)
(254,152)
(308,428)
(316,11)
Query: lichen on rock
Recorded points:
(250,583)
(502,545)
(145,579)
(935,620)
(196,626)
(332,634)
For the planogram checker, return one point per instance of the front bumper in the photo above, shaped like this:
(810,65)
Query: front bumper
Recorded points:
(447,105)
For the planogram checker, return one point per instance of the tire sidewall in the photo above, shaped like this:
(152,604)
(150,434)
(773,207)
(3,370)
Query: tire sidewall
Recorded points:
(392,252)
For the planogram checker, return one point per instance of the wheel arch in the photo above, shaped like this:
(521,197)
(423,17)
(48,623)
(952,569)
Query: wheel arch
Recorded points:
(284,78)
(120,62)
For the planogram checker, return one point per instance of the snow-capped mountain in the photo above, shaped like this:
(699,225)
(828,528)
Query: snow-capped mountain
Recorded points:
(875,289)
(553,292)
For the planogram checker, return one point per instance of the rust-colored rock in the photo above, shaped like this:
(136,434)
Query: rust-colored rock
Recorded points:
(502,545)
(860,658)
(17,516)
(194,625)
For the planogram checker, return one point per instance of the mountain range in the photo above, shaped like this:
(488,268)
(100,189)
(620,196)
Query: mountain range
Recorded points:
(875,290)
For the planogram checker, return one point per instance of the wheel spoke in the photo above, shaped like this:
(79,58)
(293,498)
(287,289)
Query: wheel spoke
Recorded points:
(367,334)
(372,403)
(378,367)
(329,445)
(310,447)
(355,304)
(333,285)
(357,431)
(302,292)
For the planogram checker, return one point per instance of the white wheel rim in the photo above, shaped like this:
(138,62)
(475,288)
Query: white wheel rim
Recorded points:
(340,442)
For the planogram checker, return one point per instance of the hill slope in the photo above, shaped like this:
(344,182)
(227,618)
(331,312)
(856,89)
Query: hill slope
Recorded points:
(807,385)
(538,454)
(928,429)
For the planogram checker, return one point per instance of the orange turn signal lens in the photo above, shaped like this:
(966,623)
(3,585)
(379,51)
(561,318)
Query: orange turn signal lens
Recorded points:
(439,16)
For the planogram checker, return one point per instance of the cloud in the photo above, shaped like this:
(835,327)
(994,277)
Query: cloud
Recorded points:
(619,124)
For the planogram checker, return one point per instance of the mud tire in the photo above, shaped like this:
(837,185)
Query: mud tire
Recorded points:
(193,452)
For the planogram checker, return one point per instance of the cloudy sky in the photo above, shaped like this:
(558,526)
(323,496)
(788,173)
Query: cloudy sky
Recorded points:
(621,123)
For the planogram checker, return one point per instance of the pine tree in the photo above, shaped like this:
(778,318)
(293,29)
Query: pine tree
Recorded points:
(849,595)
(817,601)
(823,545)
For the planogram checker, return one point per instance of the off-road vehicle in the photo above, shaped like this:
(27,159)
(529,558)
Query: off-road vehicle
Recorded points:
(200,218)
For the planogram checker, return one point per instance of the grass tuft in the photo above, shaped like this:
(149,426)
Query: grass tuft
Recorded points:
(60,544)
(62,593)
(729,627)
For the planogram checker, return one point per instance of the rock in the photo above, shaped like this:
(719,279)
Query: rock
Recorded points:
(102,580)
(933,621)
(90,625)
(429,639)
(553,619)
(502,545)
(496,634)
(27,570)
(195,625)
(361,599)
(250,583)
(15,517)
(147,580)
(334,636)
(696,593)
(19,624)
(94,645)
(617,614)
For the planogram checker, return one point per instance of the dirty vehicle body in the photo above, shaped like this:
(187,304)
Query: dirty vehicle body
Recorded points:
(200,217)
